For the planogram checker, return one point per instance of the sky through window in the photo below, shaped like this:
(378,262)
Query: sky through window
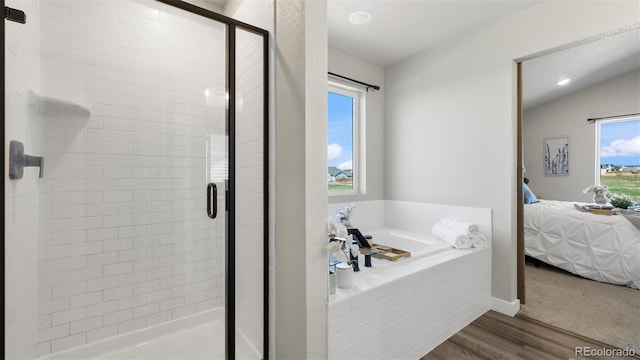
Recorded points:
(340,131)
(620,143)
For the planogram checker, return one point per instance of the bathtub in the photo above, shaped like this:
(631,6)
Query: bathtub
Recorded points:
(418,245)
(405,308)
(383,271)
(199,336)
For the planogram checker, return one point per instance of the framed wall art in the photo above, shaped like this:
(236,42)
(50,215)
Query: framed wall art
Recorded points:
(556,156)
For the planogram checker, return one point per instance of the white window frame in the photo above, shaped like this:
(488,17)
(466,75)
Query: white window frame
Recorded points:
(358,141)
(598,139)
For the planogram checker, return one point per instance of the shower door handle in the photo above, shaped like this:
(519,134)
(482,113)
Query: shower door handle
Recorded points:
(18,160)
(212,200)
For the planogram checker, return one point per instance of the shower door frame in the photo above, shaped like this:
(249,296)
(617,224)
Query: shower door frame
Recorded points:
(4,175)
(230,252)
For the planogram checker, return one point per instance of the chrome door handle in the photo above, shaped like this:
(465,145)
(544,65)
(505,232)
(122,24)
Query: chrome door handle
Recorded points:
(212,200)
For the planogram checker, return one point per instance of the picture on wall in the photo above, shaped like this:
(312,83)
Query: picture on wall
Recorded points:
(556,156)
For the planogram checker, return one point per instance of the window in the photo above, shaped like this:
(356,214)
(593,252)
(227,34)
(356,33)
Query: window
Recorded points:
(618,155)
(345,154)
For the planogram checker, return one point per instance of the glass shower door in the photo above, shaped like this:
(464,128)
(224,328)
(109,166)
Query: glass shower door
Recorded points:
(250,201)
(126,103)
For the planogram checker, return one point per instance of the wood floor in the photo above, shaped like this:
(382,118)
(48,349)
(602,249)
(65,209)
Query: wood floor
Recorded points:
(496,336)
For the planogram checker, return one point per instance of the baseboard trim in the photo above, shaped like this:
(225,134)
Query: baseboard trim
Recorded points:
(505,307)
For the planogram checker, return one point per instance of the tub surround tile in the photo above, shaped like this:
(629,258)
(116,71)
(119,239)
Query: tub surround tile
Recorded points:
(412,217)
(434,309)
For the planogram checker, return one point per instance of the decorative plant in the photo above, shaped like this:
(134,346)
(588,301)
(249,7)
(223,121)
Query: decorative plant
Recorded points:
(334,248)
(339,238)
(335,229)
(600,193)
(621,201)
(344,213)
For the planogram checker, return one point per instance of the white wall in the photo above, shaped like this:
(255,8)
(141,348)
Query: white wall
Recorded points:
(453,138)
(300,180)
(22,123)
(568,116)
(356,68)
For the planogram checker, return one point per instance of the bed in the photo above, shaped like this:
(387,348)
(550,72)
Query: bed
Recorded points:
(598,247)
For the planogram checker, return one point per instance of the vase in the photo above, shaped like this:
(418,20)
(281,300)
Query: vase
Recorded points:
(344,276)
(332,283)
(600,199)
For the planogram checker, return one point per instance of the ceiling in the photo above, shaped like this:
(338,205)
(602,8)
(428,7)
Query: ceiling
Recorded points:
(401,28)
(586,65)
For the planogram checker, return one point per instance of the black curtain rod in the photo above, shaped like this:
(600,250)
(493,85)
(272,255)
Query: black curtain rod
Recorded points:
(374,87)
(592,120)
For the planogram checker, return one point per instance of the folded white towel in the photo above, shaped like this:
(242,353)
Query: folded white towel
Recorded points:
(452,237)
(458,225)
(478,241)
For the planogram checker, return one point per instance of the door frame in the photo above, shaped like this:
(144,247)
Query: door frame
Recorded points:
(4,174)
(230,246)
(519,192)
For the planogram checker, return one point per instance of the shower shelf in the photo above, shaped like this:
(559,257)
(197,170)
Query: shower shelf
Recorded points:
(51,106)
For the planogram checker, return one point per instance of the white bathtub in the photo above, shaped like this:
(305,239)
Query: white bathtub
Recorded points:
(384,271)
(418,245)
(405,308)
(199,336)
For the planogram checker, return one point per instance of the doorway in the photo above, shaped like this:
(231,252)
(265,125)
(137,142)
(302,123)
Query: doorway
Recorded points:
(568,114)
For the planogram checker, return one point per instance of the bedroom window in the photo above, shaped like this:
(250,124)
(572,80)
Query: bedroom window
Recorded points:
(345,146)
(618,155)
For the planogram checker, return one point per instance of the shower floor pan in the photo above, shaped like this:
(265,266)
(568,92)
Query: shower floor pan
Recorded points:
(199,336)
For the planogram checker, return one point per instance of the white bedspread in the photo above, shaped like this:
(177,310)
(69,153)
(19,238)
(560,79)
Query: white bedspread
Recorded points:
(599,247)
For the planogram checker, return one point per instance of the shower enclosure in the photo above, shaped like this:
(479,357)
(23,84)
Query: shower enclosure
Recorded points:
(135,187)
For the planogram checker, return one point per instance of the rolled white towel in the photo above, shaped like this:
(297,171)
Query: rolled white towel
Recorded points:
(452,237)
(458,225)
(478,241)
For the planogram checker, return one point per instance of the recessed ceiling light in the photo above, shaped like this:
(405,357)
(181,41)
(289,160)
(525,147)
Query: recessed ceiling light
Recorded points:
(563,81)
(359,17)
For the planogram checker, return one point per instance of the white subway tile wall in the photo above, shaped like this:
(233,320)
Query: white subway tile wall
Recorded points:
(22,63)
(124,240)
